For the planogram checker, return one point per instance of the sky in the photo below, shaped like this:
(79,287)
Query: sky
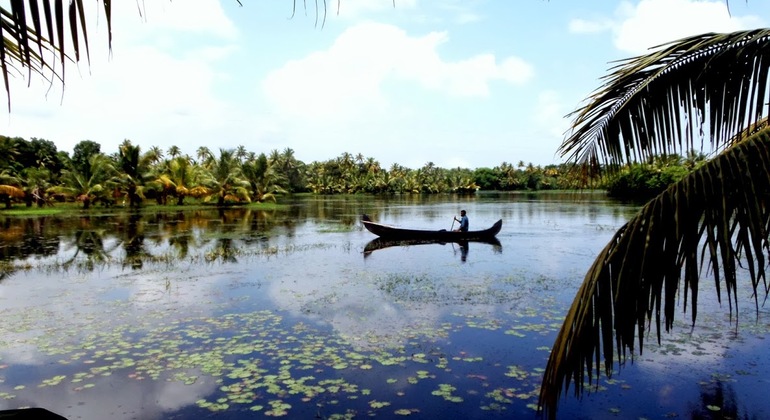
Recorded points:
(459,83)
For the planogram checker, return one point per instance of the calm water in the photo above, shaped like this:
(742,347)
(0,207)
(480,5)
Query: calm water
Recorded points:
(237,313)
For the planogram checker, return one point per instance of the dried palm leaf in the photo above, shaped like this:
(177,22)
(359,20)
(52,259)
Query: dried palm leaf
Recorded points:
(199,191)
(11,191)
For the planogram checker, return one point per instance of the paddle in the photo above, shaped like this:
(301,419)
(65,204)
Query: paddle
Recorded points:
(454,219)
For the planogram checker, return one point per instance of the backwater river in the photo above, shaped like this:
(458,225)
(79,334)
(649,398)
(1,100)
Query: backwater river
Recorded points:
(239,313)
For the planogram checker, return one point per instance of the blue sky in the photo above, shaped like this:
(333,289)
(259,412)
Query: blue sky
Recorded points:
(467,83)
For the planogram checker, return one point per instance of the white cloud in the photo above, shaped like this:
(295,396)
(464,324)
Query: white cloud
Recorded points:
(140,93)
(654,22)
(146,89)
(190,16)
(649,23)
(346,80)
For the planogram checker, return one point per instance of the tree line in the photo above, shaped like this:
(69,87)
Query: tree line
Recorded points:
(37,173)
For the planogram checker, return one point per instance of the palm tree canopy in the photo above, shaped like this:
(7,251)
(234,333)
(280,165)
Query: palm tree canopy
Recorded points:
(709,89)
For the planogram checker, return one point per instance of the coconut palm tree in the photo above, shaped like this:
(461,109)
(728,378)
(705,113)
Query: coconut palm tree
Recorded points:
(241,153)
(707,90)
(290,172)
(154,155)
(262,179)
(318,180)
(84,188)
(205,157)
(35,182)
(133,170)
(10,188)
(225,179)
(174,151)
(183,175)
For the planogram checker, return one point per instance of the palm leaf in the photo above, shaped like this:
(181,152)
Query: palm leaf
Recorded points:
(695,92)
(702,91)
(199,191)
(718,215)
(27,37)
(12,191)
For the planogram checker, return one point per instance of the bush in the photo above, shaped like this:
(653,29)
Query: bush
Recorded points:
(642,182)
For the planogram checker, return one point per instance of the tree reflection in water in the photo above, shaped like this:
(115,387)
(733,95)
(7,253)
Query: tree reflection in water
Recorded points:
(87,240)
(133,239)
(179,235)
(482,327)
(718,401)
(133,242)
(30,237)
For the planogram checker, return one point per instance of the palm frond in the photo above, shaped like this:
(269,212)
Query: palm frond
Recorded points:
(693,92)
(29,35)
(718,215)
(12,191)
(199,191)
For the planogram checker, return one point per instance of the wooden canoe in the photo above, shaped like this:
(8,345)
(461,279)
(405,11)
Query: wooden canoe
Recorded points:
(392,232)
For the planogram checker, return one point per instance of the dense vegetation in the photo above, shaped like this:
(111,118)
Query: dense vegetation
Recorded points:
(643,181)
(35,172)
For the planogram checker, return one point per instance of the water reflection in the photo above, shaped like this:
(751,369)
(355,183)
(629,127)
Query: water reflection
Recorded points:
(132,239)
(463,251)
(462,246)
(257,308)
(717,401)
(90,243)
(28,238)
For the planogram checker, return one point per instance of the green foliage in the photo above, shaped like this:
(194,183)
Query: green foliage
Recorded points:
(263,178)
(239,176)
(486,179)
(133,168)
(8,153)
(77,186)
(18,154)
(81,155)
(644,181)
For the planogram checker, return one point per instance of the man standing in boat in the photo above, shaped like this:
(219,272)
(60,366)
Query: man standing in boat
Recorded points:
(463,222)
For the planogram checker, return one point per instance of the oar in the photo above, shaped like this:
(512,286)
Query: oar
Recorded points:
(453,224)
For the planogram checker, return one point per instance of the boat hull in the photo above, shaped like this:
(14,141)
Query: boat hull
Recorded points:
(392,232)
